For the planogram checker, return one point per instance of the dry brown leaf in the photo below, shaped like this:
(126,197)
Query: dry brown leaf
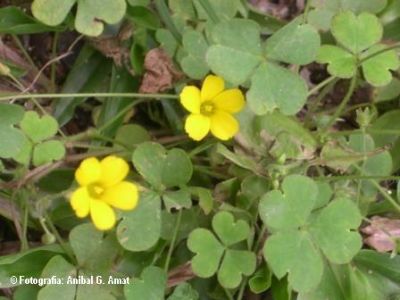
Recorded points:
(381,233)
(160,74)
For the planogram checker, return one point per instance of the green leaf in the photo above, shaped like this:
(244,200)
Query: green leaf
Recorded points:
(377,69)
(38,129)
(15,21)
(224,9)
(140,228)
(10,114)
(290,209)
(184,291)
(229,231)
(148,159)
(89,17)
(358,6)
(235,264)
(261,280)
(388,121)
(60,268)
(51,12)
(177,199)
(208,252)
(131,135)
(295,43)
(206,199)
(47,152)
(150,286)
(341,63)
(177,168)
(269,90)
(357,33)
(335,231)
(236,51)
(388,92)
(194,63)
(167,41)
(12,141)
(143,17)
(293,252)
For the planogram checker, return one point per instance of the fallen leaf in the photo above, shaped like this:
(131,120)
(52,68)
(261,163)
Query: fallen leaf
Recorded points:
(381,233)
(160,74)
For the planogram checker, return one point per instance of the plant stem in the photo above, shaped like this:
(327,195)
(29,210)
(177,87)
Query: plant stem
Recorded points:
(16,96)
(395,46)
(173,241)
(321,85)
(54,64)
(165,16)
(228,294)
(342,105)
(209,10)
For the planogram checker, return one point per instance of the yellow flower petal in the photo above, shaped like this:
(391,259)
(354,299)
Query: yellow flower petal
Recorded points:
(88,172)
(123,195)
(212,86)
(113,170)
(102,215)
(223,125)
(80,202)
(190,99)
(197,126)
(231,101)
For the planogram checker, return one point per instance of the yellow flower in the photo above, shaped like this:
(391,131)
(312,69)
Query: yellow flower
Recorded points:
(102,187)
(211,109)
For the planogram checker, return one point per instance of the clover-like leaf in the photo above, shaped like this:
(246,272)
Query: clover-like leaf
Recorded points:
(208,252)
(229,231)
(377,68)
(293,252)
(295,43)
(334,231)
(162,168)
(47,152)
(140,228)
(269,90)
(357,33)
(10,114)
(89,17)
(341,63)
(236,51)
(235,264)
(290,209)
(150,286)
(38,128)
(177,199)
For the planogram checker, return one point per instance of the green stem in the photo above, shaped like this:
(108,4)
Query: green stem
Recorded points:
(321,85)
(16,96)
(382,191)
(342,105)
(165,16)
(395,46)
(228,294)
(209,10)
(60,240)
(25,243)
(173,241)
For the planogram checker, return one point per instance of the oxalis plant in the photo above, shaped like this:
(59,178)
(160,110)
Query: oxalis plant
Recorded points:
(199,149)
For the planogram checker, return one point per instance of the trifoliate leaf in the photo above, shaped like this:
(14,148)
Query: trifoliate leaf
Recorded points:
(335,230)
(236,51)
(377,68)
(341,63)
(38,128)
(235,264)
(10,114)
(208,252)
(357,33)
(269,90)
(295,43)
(150,286)
(177,168)
(229,231)
(290,209)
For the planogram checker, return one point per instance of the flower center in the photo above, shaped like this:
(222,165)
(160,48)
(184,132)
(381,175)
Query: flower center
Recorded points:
(207,108)
(95,190)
